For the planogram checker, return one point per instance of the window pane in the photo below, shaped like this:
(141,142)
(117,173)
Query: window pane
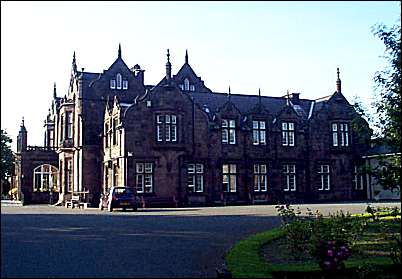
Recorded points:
(148,167)
(190,168)
(200,168)
(334,139)
(256,168)
(284,126)
(191,181)
(291,126)
(224,123)
(262,125)
(159,119)
(256,183)
(232,168)
(232,135)
(225,168)
(255,124)
(255,137)
(291,138)
(225,136)
(173,119)
(233,183)
(148,183)
(263,168)
(159,132)
(232,124)
(112,84)
(263,182)
(262,137)
(284,138)
(140,183)
(334,127)
(173,132)
(200,183)
(167,132)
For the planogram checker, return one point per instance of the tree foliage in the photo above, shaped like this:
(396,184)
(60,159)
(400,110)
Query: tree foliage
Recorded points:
(6,155)
(388,84)
(388,104)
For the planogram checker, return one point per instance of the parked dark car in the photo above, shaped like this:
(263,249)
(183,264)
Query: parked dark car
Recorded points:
(119,197)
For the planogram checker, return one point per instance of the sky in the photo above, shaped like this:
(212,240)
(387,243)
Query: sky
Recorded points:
(275,46)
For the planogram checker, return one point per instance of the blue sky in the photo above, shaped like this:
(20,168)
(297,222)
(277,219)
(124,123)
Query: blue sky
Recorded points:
(275,46)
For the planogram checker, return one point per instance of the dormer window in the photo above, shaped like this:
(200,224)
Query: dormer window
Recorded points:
(119,80)
(186,85)
(125,84)
(112,84)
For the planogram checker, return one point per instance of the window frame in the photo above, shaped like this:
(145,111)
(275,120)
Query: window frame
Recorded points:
(257,175)
(197,177)
(119,80)
(52,174)
(288,133)
(144,171)
(325,177)
(231,175)
(287,175)
(258,131)
(166,128)
(228,127)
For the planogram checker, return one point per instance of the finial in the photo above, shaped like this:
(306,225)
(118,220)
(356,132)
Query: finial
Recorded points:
(54,89)
(119,53)
(186,60)
(287,98)
(74,63)
(22,124)
(229,89)
(259,95)
(338,82)
(168,69)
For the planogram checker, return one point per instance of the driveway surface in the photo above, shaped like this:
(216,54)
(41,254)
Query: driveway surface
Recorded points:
(45,241)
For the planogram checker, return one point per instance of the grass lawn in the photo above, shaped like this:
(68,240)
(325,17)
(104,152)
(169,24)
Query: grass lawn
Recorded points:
(266,255)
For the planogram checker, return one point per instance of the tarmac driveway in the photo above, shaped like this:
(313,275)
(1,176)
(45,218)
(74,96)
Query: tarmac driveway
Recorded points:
(45,241)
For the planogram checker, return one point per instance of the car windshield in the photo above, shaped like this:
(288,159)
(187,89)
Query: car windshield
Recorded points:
(123,191)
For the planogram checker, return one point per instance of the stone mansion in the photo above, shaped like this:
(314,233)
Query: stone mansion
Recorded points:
(180,143)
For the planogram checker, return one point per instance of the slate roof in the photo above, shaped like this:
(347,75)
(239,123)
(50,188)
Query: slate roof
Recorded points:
(245,103)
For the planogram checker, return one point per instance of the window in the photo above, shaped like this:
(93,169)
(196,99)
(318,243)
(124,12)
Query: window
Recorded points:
(125,84)
(192,87)
(323,172)
(340,134)
(186,85)
(114,131)
(51,138)
(289,175)
(229,179)
(195,177)
(259,135)
(288,134)
(112,84)
(358,179)
(45,178)
(69,125)
(166,128)
(228,131)
(106,135)
(260,177)
(181,86)
(69,175)
(118,80)
(144,177)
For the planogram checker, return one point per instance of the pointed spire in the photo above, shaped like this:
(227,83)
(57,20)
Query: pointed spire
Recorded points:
(338,82)
(119,52)
(54,90)
(229,94)
(168,68)
(22,123)
(186,58)
(287,98)
(74,66)
(259,96)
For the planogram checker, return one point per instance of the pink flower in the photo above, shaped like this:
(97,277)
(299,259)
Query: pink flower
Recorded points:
(330,253)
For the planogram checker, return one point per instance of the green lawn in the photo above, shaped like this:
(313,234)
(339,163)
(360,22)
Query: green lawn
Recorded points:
(370,254)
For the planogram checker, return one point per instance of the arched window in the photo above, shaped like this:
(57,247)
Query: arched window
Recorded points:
(186,85)
(45,178)
(118,79)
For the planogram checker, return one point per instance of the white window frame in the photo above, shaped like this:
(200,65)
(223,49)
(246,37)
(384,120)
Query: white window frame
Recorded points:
(45,177)
(69,125)
(260,177)
(229,178)
(325,182)
(186,84)
(289,173)
(166,127)
(288,134)
(125,84)
(228,131)
(195,177)
(144,177)
(334,134)
(118,81)
(259,132)
(112,84)
(358,180)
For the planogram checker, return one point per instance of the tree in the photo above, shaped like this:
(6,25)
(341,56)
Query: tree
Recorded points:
(388,104)
(6,156)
